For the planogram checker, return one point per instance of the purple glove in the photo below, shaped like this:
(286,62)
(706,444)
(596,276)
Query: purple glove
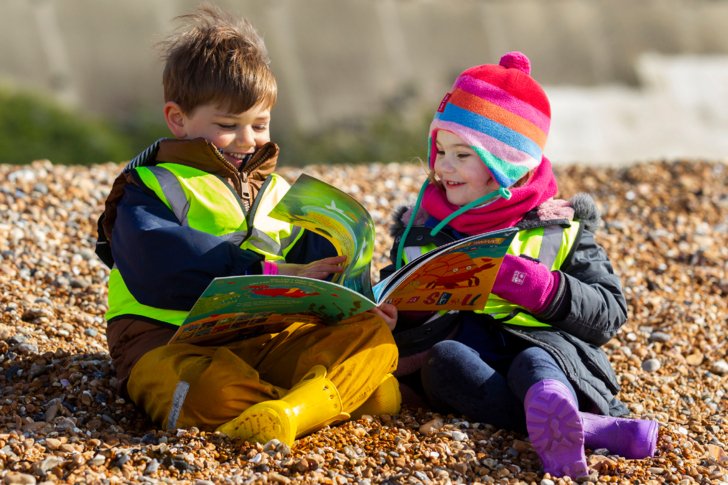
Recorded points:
(526,282)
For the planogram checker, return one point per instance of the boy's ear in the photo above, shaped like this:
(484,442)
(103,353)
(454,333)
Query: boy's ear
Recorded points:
(175,118)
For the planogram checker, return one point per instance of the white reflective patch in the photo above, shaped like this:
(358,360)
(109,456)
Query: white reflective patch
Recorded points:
(178,399)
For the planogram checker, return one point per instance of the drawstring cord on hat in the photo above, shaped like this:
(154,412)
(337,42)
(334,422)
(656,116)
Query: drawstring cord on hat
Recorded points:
(501,192)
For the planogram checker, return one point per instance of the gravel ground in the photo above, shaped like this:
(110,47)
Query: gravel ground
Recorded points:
(666,229)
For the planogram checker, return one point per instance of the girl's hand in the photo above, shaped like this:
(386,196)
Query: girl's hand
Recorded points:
(388,312)
(320,269)
(526,282)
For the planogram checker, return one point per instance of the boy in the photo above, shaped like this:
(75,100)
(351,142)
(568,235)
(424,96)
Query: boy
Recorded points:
(189,209)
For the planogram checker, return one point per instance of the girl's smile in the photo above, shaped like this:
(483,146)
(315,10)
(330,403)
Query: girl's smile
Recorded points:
(460,170)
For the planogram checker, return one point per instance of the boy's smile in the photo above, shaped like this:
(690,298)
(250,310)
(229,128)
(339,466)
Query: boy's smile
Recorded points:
(236,135)
(460,170)
(234,157)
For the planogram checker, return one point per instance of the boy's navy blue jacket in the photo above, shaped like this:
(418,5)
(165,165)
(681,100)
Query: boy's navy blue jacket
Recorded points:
(168,265)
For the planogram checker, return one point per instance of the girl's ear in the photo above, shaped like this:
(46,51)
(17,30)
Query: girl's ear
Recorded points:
(175,118)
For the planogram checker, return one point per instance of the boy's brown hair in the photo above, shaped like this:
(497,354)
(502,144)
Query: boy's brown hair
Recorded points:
(216,58)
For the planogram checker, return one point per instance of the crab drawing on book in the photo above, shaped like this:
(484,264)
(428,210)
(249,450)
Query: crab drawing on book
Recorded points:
(461,269)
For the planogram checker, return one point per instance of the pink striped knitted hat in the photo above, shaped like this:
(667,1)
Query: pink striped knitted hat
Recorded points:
(501,112)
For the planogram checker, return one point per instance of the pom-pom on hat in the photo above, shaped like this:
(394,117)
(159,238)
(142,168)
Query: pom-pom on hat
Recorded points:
(501,112)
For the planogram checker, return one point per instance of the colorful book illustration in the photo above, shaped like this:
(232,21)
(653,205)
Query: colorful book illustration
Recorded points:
(324,209)
(242,306)
(455,276)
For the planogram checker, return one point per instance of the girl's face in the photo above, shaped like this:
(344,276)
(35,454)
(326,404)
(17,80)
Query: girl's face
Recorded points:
(461,171)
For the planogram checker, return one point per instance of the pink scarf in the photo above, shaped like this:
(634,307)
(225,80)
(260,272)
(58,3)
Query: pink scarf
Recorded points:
(501,212)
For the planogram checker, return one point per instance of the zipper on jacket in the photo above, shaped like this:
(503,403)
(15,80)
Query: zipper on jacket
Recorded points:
(245,191)
(235,174)
(245,172)
(250,215)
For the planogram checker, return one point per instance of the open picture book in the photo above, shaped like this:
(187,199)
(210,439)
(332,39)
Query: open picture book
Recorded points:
(455,276)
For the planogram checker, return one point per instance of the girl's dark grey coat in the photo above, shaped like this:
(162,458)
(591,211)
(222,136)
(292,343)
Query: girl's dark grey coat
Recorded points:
(588,310)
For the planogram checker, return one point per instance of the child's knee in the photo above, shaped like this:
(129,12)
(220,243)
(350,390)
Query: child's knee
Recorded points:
(202,388)
(451,350)
(368,332)
(371,323)
(223,390)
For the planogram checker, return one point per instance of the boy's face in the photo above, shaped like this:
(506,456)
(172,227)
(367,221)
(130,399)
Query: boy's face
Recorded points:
(461,171)
(235,134)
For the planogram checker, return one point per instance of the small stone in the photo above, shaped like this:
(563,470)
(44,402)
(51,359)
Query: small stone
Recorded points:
(461,468)
(16,478)
(53,443)
(431,426)
(720,367)
(49,464)
(590,478)
(521,446)
(659,337)
(717,454)
(97,460)
(151,467)
(694,359)
(651,365)
(502,472)
(300,466)
(258,458)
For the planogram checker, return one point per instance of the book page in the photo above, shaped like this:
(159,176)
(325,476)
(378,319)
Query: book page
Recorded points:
(456,276)
(337,216)
(241,306)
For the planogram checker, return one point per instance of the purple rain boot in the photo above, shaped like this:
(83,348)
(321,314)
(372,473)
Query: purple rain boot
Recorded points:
(555,429)
(630,438)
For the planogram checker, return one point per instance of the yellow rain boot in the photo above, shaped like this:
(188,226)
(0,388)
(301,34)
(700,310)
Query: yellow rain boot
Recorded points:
(310,405)
(386,399)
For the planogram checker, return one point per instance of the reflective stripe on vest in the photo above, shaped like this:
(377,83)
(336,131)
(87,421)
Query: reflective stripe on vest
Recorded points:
(173,193)
(207,203)
(550,245)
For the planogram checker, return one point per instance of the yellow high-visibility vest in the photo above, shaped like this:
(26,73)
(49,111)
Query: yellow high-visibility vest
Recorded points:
(551,245)
(208,203)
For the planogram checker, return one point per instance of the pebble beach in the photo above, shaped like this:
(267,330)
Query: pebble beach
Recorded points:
(666,230)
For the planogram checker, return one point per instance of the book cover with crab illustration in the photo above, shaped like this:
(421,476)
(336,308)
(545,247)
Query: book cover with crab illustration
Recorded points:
(455,276)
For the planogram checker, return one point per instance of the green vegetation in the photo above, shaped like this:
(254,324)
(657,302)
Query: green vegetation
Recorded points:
(33,127)
(388,137)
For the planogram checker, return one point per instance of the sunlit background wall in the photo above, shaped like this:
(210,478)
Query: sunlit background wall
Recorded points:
(359,79)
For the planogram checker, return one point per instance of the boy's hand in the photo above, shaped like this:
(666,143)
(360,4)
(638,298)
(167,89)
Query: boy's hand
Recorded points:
(319,269)
(388,312)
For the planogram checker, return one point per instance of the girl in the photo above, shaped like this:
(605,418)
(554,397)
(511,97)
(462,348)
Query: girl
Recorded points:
(529,360)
